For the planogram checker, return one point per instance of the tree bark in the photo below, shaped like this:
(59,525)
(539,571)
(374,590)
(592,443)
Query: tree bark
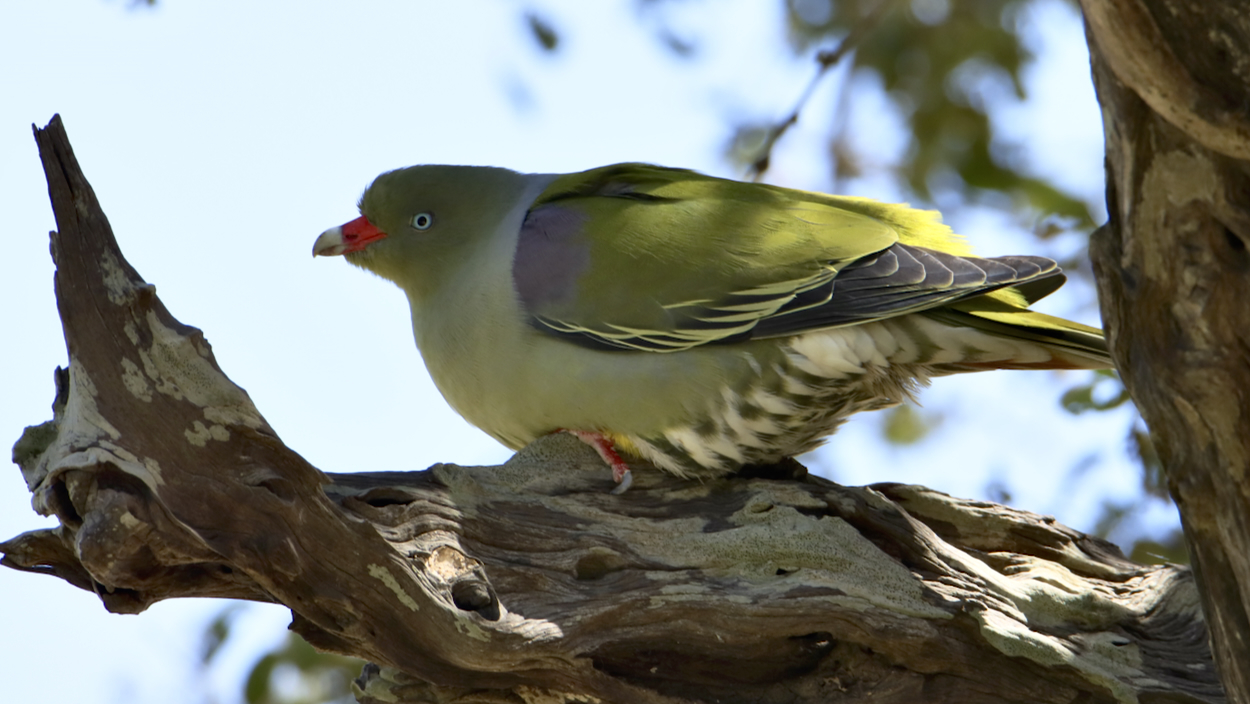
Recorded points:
(1173,271)
(529,582)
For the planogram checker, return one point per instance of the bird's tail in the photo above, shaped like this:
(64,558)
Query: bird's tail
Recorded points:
(1071,345)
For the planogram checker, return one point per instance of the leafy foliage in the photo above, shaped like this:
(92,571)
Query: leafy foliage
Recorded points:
(297,674)
(292,673)
(940,64)
(1094,396)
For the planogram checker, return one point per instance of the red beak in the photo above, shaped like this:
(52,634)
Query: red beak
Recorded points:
(346,238)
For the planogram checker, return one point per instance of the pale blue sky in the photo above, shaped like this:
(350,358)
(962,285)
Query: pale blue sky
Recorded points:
(222,137)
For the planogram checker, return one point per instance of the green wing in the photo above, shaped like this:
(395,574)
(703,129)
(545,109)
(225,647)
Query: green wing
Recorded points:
(642,257)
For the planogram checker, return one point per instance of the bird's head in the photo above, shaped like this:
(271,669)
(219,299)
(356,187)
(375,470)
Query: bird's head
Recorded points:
(418,224)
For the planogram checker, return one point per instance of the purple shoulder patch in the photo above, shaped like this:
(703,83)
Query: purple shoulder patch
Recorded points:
(551,255)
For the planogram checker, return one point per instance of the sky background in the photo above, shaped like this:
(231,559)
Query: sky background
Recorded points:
(222,137)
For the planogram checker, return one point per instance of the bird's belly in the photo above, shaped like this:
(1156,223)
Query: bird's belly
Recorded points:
(708,410)
(700,412)
(783,408)
(535,384)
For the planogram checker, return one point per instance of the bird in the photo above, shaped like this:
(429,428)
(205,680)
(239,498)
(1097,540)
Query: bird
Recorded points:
(693,323)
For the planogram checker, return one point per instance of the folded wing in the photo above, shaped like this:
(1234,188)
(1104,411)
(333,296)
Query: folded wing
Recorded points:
(637,257)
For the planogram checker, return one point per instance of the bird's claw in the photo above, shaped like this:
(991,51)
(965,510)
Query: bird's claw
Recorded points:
(603,445)
(624,482)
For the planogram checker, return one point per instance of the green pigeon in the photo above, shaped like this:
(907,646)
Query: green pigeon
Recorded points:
(696,323)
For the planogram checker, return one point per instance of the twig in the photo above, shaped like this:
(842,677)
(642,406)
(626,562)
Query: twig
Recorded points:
(825,60)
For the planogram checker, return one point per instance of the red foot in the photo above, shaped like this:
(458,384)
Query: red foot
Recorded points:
(620,470)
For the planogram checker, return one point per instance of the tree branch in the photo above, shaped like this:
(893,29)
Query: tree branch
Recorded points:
(529,581)
(1142,56)
(1174,272)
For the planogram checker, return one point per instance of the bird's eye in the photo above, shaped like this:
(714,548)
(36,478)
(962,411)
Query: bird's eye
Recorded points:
(422,221)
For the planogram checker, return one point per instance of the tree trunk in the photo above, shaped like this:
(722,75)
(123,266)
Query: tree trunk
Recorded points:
(1173,272)
(529,582)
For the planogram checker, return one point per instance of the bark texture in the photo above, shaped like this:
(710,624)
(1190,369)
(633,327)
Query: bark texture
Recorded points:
(528,582)
(1173,79)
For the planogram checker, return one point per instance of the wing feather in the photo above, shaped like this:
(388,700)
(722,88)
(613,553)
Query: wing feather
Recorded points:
(608,258)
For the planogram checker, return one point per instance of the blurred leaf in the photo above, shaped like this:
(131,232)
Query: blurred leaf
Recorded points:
(256,687)
(683,48)
(998,492)
(218,633)
(1081,468)
(1154,479)
(652,11)
(542,31)
(1078,399)
(1050,225)
(1103,393)
(1113,514)
(1171,549)
(846,161)
(747,142)
(296,673)
(905,425)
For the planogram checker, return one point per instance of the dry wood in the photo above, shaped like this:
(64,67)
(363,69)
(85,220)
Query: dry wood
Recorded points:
(529,582)
(1173,79)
